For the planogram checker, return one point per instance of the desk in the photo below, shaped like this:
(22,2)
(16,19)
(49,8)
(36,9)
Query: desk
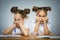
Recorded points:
(27,38)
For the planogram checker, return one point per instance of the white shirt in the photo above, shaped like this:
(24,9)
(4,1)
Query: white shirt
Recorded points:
(41,27)
(18,30)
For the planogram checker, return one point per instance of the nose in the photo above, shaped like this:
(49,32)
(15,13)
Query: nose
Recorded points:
(40,17)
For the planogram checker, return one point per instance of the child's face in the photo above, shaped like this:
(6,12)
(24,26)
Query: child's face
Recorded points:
(41,14)
(17,18)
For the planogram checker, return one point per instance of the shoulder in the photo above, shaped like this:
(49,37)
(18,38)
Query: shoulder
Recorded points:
(49,23)
(33,22)
(26,25)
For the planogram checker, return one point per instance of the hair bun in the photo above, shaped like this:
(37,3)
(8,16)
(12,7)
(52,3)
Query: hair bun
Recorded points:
(14,9)
(40,8)
(48,8)
(35,8)
(26,11)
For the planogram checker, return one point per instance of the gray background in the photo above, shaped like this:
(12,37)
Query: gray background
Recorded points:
(6,17)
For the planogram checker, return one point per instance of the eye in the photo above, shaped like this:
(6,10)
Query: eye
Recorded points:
(39,15)
(44,15)
(15,19)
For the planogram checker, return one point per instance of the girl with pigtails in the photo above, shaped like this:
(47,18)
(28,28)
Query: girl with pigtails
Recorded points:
(19,26)
(41,24)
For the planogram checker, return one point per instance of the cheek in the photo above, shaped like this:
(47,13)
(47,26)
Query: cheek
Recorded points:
(22,20)
(15,21)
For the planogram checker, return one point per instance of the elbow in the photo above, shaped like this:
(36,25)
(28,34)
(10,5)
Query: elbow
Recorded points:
(47,33)
(26,34)
(4,33)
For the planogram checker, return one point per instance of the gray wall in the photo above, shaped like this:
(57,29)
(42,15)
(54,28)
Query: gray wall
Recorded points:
(6,17)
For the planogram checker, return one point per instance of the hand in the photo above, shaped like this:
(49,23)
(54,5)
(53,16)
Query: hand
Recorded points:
(14,25)
(38,19)
(21,22)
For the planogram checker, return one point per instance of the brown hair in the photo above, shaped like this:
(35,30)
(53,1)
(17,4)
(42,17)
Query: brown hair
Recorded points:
(40,8)
(37,9)
(22,12)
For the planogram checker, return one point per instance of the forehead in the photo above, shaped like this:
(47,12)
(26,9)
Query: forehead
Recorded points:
(41,12)
(17,15)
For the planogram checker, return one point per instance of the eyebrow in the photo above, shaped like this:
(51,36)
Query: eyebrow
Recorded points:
(44,15)
(18,19)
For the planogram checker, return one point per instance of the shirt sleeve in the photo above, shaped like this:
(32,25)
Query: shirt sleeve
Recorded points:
(49,26)
(32,26)
(26,26)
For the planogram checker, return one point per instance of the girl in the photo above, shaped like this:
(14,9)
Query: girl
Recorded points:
(41,25)
(19,26)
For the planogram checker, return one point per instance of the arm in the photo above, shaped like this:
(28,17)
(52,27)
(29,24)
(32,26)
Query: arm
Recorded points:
(24,30)
(37,27)
(46,30)
(9,29)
